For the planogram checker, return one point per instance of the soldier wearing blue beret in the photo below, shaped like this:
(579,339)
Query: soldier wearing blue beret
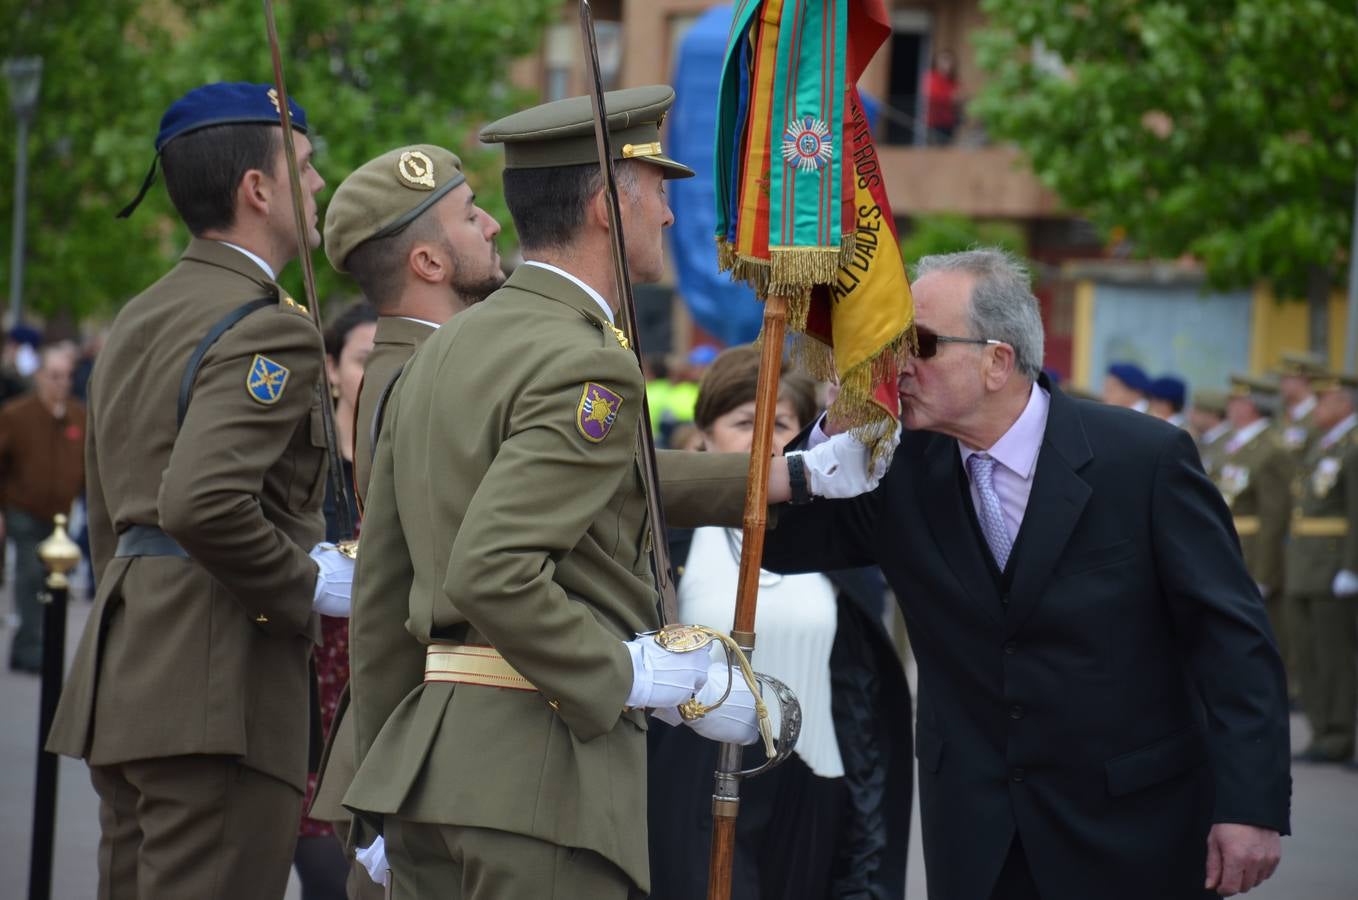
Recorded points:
(1126,384)
(205,464)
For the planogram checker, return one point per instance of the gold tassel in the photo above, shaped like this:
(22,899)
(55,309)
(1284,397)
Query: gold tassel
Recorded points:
(726,254)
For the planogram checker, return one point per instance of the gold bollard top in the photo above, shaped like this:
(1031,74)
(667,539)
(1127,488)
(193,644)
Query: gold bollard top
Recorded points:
(59,553)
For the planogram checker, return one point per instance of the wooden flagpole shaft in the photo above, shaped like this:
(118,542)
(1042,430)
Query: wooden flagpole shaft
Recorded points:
(726,793)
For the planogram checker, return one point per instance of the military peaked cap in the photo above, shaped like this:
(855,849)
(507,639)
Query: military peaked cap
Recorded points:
(561,133)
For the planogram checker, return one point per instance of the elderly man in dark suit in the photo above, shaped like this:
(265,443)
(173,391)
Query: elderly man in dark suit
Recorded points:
(1102,707)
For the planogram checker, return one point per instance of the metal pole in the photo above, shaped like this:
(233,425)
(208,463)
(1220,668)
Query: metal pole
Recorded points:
(16,261)
(59,554)
(1351,344)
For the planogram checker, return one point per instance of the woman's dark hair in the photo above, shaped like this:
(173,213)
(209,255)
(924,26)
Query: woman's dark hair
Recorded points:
(203,169)
(733,379)
(337,332)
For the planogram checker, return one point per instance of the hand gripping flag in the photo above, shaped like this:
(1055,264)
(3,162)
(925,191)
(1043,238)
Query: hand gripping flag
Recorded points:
(802,209)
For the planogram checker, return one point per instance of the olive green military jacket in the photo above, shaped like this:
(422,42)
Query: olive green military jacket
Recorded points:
(1324,535)
(1211,452)
(1256,481)
(396,341)
(507,506)
(1299,434)
(207,654)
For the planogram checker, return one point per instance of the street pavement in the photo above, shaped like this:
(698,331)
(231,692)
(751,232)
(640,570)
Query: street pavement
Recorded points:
(1320,861)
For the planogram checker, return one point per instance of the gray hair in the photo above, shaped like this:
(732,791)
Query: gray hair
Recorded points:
(1003,307)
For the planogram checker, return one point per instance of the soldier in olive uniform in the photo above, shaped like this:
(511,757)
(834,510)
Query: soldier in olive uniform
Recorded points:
(407,228)
(498,701)
(1297,421)
(1322,570)
(1210,427)
(205,462)
(1254,474)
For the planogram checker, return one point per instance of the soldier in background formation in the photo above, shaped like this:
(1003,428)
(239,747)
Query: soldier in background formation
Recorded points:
(1322,570)
(1299,400)
(1210,427)
(1253,472)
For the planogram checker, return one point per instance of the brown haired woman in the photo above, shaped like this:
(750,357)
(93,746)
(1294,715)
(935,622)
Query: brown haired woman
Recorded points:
(833,821)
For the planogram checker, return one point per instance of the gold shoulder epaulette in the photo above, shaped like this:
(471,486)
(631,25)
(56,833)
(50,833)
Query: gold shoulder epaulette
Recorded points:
(288,303)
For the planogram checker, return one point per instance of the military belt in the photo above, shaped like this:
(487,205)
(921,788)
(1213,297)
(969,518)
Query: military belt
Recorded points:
(472,664)
(1246,525)
(147,540)
(1328,526)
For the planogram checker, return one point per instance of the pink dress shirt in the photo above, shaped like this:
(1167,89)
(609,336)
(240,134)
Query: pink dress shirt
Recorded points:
(1016,454)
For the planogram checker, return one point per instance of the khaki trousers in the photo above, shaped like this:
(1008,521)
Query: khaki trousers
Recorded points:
(1329,686)
(451,862)
(203,827)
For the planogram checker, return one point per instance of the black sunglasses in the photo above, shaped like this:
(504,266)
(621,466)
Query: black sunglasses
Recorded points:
(929,341)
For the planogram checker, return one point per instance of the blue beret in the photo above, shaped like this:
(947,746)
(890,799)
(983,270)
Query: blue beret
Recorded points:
(219,103)
(225,103)
(1167,387)
(1131,375)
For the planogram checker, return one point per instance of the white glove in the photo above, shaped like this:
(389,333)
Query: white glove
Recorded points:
(374,859)
(838,468)
(334,581)
(735,721)
(661,677)
(1345,583)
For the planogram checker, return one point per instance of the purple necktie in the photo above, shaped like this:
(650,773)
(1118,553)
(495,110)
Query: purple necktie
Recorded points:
(989,511)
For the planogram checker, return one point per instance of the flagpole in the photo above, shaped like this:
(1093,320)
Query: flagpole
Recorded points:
(726,793)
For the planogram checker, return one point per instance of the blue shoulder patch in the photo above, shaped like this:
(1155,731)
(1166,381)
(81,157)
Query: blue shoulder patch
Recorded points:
(266,380)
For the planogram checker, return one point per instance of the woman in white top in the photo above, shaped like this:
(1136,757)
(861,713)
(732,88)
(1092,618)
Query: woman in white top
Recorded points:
(833,820)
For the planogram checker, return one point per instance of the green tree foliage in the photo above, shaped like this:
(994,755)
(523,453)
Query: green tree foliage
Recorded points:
(947,233)
(372,75)
(1222,128)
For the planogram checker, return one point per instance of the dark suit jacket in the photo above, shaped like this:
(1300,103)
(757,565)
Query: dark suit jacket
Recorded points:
(1110,697)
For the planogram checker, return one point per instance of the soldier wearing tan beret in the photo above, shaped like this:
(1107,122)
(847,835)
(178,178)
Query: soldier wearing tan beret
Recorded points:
(406,226)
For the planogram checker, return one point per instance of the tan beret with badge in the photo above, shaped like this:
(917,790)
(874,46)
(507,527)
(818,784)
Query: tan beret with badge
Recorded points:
(386,194)
(561,133)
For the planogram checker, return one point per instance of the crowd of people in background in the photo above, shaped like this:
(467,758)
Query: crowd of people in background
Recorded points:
(1283,451)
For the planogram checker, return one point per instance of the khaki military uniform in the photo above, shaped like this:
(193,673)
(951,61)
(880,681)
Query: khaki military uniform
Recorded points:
(1324,540)
(1212,449)
(188,696)
(507,508)
(1298,434)
(1256,481)
(394,344)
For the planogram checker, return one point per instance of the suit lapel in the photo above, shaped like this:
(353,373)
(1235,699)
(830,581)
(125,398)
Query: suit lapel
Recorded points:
(1055,505)
(952,530)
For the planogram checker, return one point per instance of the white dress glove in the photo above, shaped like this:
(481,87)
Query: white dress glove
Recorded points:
(374,859)
(838,468)
(334,581)
(661,677)
(1345,583)
(734,722)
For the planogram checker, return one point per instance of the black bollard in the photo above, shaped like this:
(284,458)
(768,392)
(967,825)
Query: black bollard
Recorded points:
(59,554)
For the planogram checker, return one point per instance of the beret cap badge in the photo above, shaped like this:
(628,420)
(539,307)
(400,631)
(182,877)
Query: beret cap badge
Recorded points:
(416,170)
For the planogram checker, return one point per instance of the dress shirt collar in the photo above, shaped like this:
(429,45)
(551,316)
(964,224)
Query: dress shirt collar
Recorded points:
(1215,433)
(421,321)
(598,298)
(1334,434)
(1246,434)
(1298,412)
(1018,447)
(259,262)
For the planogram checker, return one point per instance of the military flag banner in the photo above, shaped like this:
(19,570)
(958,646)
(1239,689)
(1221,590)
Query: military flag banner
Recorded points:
(802,210)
